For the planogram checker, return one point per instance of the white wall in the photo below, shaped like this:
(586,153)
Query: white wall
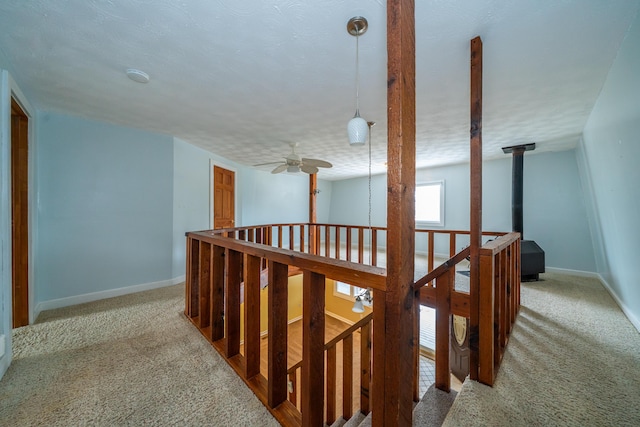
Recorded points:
(105,208)
(609,161)
(555,215)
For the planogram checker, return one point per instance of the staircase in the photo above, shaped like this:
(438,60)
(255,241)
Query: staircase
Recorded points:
(429,412)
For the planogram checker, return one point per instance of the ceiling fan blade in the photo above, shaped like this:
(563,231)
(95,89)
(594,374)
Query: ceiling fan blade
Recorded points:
(309,169)
(317,163)
(279,169)
(270,163)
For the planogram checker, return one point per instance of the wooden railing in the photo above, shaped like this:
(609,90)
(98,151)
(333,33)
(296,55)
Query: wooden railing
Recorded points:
(497,305)
(362,381)
(219,261)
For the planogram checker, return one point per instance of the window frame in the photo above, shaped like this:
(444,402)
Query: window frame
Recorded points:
(426,224)
(352,295)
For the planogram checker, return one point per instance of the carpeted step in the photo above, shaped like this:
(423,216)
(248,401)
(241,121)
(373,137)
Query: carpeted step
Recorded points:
(433,407)
(339,422)
(355,420)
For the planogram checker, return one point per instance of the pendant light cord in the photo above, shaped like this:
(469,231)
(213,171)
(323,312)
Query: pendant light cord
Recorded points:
(357,75)
(370,125)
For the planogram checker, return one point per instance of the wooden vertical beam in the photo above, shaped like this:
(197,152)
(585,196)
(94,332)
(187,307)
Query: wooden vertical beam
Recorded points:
(348,243)
(475,214)
(252,267)
(313,304)
(232,302)
(394,309)
(277,314)
(217,293)
(360,245)
(313,187)
(374,247)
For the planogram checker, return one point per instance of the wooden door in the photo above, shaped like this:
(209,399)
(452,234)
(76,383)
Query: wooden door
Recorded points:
(19,215)
(223,198)
(459,355)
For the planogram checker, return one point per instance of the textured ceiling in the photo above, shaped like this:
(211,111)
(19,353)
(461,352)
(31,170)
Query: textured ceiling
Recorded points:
(245,78)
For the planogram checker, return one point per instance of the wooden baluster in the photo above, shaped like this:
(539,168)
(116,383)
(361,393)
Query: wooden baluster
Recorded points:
(251,235)
(277,314)
(443,328)
(205,285)
(374,247)
(430,252)
(486,320)
(193,278)
(504,300)
(280,236)
(217,293)
(291,245)
(313,307)
(331,385)
(349,243)
(498,312)
(317,242)
(252,316)
(452,245)
(365,367)
(232,302)
(337,242)
(327,241)
(347,377)
(301,227)
(360,245)
(242,235)
(416,350)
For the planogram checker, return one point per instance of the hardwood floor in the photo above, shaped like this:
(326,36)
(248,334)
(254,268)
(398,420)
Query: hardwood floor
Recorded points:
(334,327)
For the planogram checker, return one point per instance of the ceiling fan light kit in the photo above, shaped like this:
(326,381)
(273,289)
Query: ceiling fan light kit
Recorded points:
(357,128)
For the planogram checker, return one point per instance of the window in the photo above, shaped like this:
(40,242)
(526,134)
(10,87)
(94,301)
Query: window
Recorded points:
(430,203)
(346,291)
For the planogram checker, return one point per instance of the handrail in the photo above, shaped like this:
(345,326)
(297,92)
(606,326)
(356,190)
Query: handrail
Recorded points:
(350,330)
(349,272)
(442,268)
(497,245)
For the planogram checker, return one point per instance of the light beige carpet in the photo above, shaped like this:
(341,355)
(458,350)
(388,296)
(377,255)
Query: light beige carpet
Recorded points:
(127,361)
(573,360)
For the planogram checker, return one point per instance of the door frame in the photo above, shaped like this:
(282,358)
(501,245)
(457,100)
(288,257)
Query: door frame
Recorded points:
(213,163)
(9,89)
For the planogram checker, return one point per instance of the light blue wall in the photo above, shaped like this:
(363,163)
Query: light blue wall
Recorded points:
(261,198)
(105,207)
(555,215)
(610,153)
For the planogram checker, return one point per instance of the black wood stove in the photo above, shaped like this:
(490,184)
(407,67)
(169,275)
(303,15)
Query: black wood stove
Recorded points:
(532,255)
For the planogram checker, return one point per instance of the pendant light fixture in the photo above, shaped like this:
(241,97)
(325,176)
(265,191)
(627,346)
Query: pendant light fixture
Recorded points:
(357,128)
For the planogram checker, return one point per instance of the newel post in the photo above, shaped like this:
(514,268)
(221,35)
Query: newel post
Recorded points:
(393,342)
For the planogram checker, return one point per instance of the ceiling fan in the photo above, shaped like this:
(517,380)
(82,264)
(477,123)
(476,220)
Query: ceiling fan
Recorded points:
(294,163)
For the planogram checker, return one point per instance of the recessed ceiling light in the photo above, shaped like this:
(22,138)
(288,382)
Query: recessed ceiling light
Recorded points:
(137,75)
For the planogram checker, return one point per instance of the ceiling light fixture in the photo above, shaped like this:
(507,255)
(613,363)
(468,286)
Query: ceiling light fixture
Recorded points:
(137,75)
(357,128)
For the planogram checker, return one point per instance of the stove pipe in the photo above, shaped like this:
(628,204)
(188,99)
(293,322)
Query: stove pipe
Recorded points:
(532,256)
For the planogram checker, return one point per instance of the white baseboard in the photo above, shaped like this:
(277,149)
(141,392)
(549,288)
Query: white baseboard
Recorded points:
(109,293)
(632,318)
(340,318)
(569,272)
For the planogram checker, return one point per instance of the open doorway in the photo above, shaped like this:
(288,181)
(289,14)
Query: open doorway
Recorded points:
(19,214)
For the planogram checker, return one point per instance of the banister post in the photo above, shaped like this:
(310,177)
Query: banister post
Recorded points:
(393,341)
(252,315)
